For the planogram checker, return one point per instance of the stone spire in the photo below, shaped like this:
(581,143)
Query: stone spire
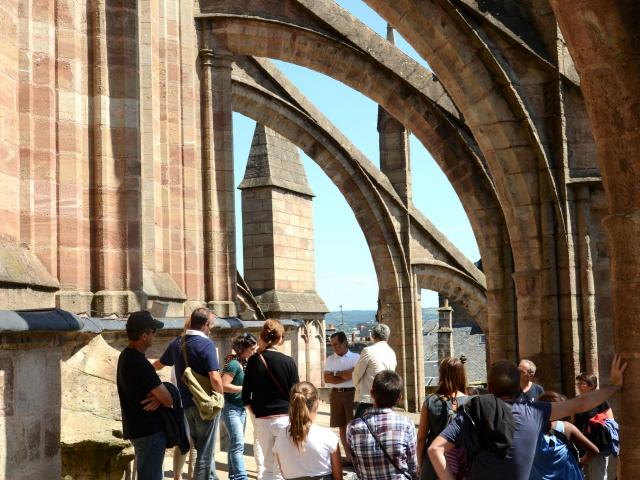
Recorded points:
(274,162)
(277,232)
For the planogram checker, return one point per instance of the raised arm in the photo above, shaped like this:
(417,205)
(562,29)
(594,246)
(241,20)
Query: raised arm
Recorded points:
(589,400)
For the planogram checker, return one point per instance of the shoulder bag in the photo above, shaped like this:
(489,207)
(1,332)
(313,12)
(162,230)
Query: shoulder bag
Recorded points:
(207,400)
(273,378)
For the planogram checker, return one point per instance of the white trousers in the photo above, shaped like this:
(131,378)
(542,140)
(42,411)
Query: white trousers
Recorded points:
(258,456)
(596,469)
(266,431)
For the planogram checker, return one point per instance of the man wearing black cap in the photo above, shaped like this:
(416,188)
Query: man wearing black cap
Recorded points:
(141,393)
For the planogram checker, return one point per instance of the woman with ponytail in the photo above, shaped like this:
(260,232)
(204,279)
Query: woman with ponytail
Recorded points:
(268,377)
(306,451)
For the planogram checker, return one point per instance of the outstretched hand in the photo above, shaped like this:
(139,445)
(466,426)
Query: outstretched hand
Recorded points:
(617,370)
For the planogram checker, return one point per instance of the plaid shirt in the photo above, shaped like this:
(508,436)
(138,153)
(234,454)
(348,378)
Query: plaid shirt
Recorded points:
(398,436)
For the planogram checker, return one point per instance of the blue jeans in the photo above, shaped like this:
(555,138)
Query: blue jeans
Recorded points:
(235,419)
(203,434)
(149,456)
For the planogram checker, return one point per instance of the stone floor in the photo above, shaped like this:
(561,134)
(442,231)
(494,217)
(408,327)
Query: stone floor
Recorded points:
(221,457)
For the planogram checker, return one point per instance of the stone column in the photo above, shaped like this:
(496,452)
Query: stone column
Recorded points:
(418,365)
(116,162)
(587,285)
(73,133)
(217,172)
(445,331)
(396,308)
(10,131)
(537,296)
(623,229)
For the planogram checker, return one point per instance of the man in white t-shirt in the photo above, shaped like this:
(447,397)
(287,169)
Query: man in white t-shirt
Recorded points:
(337,373)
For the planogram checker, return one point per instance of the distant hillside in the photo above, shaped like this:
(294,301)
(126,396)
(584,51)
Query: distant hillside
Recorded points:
(351,317)
(354,317)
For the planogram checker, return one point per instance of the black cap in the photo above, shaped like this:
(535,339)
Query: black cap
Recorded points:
(141,321)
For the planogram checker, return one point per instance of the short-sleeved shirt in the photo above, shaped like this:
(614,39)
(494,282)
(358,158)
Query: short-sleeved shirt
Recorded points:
(235,370)
(398,436)
(202,357)
(530,420)
(532,394)
(135,378)
(314,457)
(337,363)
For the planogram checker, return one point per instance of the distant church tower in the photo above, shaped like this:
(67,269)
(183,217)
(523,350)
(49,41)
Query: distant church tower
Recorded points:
(277,230)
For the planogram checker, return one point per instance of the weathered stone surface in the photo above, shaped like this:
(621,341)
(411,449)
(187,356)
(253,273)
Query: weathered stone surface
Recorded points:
(291,303)
(274,162)
(164,297)
(278,229)
(19,266)
(90,419)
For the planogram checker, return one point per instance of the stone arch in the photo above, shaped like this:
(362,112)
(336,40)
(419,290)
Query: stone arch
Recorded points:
(262,107)
(500,121)
(437,127)
(269,113)
(293,120)
(457,286)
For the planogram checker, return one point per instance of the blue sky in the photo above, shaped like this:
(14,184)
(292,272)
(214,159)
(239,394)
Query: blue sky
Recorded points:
(344,270)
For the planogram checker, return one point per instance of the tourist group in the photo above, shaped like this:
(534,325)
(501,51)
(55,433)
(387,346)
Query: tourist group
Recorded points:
(512,430)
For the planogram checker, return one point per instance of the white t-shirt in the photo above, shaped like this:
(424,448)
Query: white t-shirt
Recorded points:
(337,363)
(313,458)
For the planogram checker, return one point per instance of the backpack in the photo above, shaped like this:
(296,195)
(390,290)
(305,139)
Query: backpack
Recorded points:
(603,432)
(442,411)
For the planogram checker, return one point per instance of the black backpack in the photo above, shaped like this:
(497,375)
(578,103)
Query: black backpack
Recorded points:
(442,411)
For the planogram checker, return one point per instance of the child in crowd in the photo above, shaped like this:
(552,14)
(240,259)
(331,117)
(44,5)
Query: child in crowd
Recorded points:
(304,449)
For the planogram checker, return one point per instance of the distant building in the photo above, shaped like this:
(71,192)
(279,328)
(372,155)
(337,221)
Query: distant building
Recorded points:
(468,341)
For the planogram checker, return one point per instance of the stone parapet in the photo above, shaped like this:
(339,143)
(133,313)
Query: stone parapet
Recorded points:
(33,345)
(58,400)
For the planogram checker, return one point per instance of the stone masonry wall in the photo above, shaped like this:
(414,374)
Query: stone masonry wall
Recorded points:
(30,403)
(100,141)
